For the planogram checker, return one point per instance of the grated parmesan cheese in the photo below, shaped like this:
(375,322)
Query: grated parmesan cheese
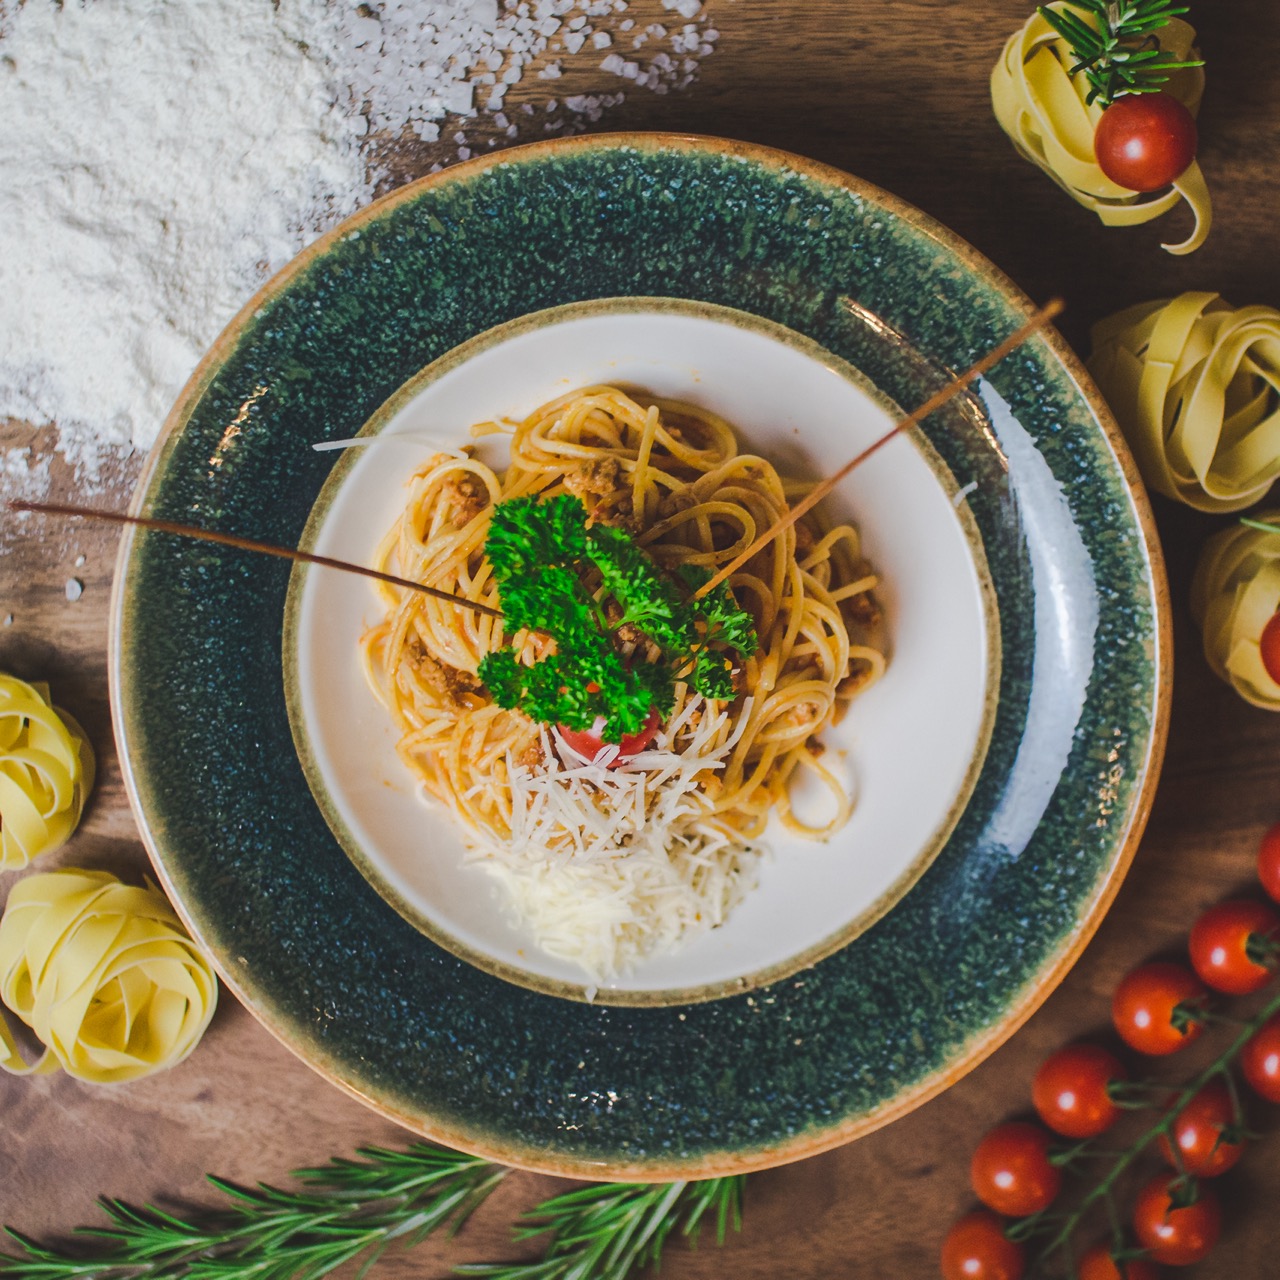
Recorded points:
(609,865)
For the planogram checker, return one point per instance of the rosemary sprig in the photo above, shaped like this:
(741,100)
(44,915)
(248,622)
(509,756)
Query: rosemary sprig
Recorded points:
(605,1231)
(354,1209)
(350,1208)
(1118,50)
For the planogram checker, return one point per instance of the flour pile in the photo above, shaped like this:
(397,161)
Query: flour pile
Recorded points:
(160,158)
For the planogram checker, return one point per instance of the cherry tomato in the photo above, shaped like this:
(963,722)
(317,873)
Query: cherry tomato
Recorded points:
(1198,1134)
(1269,863)
(1070,1090)
(589,743)
(1098,1264)
(1145,140)
(976,1248)
(1144,1003)
(1177,1237)
(1011,1171)
(1269,646)
(1260,1060)
(1219,945)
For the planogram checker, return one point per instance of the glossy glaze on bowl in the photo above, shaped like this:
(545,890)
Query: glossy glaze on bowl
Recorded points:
(742,1082)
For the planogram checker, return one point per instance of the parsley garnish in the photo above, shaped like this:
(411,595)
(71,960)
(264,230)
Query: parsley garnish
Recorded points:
(557,575)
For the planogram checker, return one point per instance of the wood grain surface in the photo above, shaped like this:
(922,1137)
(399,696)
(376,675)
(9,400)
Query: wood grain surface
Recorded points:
(894,91)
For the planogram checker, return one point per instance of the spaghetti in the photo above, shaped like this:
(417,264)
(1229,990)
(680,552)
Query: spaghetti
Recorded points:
(665,837)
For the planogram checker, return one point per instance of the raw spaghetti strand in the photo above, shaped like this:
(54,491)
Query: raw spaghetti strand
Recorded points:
(673,475)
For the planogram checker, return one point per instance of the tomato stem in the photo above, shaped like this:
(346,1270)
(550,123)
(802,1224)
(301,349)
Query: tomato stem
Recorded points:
(1070,1220)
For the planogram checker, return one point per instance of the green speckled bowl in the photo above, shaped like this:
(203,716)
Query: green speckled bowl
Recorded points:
(748,1080)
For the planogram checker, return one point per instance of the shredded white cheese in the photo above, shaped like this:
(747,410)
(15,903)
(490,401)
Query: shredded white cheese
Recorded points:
(609,865)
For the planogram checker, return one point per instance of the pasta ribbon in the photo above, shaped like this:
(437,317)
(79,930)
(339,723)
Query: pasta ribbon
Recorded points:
(1042,108)
(1195,385)
(1234,593)
(46,773)
(103,974)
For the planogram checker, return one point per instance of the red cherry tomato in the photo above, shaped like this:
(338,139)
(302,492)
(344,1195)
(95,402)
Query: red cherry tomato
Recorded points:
(1177,1237)
(1198,1134)
(1269,646)
(1145,140)
(1219,945)
(589,743)
(1070,1090)
(1142,1008)
(1269,863)
(976,1248)
(1011,1171)
(1260,1060)
(1098,1264)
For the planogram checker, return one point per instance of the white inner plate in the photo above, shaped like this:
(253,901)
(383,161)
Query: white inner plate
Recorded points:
(910,746)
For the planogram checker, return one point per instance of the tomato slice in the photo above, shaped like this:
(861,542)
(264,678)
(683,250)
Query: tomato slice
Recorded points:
(589,743)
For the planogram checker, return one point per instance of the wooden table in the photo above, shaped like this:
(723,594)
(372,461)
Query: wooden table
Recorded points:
(894,91)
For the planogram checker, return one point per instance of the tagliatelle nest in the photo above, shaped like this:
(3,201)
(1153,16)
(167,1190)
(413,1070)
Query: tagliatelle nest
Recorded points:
(1235,592)
(1195,386)
(46,773)
(1042,108)
(103,974)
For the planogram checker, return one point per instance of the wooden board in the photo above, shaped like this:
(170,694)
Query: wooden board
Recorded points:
(896,92)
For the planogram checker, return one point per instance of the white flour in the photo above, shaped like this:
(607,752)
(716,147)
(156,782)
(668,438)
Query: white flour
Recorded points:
(160,158)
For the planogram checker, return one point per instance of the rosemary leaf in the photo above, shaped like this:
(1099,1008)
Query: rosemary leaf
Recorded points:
(605,1231)
(1117,49)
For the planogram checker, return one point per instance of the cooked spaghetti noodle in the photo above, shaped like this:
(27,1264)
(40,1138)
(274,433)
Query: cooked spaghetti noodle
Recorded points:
(686,809)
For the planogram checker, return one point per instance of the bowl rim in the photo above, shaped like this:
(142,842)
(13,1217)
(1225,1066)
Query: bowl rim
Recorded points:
(1092,911)
(303,729)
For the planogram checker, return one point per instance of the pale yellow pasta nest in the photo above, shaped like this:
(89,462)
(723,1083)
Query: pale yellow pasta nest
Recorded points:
(1195,385)
(46,773)
(103,974)
(1042,108)
(1235,592)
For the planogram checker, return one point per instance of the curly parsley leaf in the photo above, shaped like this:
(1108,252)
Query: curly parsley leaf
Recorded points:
(556,575)
(648,598)
(712,674)
(725,623)
(525,534)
